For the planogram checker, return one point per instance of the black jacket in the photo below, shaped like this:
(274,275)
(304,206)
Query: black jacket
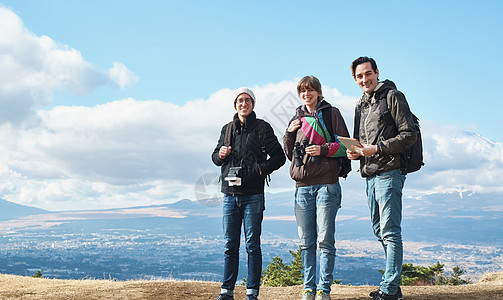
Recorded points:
(246,152)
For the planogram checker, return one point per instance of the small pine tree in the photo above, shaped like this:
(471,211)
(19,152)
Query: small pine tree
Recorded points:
(432,275)
(278,273)
(37,275)
(456,274)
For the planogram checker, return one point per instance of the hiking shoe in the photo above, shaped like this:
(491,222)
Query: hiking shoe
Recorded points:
(380,295)
(225,297)
(308,295)
(398,294)
(251,297)
(322,295)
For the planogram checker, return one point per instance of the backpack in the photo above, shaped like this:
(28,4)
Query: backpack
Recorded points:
(413,156)
(344,161)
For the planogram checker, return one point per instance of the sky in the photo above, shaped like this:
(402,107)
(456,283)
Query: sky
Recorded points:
(120,103)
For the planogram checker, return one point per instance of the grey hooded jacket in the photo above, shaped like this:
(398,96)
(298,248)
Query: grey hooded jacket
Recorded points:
(383,118)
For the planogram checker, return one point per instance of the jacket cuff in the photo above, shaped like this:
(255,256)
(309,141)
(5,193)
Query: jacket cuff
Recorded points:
(379,148)
(323,150)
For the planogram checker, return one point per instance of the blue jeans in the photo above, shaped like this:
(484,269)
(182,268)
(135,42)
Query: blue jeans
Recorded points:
(384,195)
(315,209)
(247,210)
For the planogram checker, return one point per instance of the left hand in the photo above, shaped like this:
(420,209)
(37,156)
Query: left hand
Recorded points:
(313,150)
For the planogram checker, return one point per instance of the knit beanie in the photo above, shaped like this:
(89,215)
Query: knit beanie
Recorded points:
(244,90)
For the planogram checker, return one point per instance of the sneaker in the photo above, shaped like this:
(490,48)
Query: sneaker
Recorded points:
(380,295)
(225,297)
(251,297)
(308,295)
(398,294)
(322,295)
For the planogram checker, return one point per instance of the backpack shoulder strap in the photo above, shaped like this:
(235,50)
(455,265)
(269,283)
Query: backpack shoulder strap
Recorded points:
(356,120)
(261,134)
(325,120)
(228,132)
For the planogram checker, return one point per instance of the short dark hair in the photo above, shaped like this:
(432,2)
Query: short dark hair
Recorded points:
(309,82)
(361,60)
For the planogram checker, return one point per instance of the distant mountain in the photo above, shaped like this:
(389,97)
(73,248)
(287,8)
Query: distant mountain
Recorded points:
(10,210)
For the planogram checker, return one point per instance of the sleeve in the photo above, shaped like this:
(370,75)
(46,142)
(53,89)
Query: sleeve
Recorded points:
(400,111)
(289,141)
(274,151)
(215,155)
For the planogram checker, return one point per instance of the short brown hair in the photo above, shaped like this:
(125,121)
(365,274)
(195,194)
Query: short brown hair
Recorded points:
(309,82)
(361,60)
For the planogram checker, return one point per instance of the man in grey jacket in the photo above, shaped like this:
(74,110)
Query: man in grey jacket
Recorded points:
(384,126)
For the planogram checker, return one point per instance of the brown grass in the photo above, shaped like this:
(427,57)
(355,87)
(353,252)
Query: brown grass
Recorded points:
(17,287)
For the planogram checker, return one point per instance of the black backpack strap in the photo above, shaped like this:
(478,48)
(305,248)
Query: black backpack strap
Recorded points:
(262,141)
(356,128)
(228,133)
(261,135)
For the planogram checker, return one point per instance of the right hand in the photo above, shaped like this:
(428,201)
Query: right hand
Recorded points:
(224,151)
(352,154)
(294,125)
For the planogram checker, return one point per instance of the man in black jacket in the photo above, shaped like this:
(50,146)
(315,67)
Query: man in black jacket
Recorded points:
(248,152)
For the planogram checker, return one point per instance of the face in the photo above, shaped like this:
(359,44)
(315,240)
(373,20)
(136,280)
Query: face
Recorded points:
(309,97)
(366,78)
(244,105)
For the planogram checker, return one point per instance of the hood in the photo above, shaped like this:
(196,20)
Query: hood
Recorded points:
(383,88)
(249,121)
(322,104)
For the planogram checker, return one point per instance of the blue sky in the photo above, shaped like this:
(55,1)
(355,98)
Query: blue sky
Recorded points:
(440,53)
(101,99)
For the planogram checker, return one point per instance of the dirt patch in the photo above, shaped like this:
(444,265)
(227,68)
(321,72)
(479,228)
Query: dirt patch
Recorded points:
(18,287)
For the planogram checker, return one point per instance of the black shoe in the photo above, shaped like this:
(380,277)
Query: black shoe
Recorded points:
(225,297)
(251,297)
(380,295)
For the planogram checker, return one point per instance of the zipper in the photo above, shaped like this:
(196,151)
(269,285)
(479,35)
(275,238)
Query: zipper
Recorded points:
(365,124)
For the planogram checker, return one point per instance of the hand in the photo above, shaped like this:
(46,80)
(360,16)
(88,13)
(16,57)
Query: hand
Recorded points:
(294,125)
(352,155)
(224,151)
(314,150)
(366,150)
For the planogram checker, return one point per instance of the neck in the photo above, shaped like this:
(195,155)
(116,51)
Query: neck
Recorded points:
(310,108)
(242,119)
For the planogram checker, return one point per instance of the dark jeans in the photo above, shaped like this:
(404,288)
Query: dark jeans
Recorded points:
(247,210)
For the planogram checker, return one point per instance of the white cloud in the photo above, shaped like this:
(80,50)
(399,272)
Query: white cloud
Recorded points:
(120,74)
(32,67)
(130,152)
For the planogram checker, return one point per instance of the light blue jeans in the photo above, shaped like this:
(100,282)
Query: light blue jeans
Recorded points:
(384,195)
(246,210)
(315,209)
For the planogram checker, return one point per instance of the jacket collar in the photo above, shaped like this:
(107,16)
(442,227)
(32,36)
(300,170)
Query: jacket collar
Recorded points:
(249,121)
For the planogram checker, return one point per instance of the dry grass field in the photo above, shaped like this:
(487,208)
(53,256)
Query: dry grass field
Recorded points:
(490,286)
